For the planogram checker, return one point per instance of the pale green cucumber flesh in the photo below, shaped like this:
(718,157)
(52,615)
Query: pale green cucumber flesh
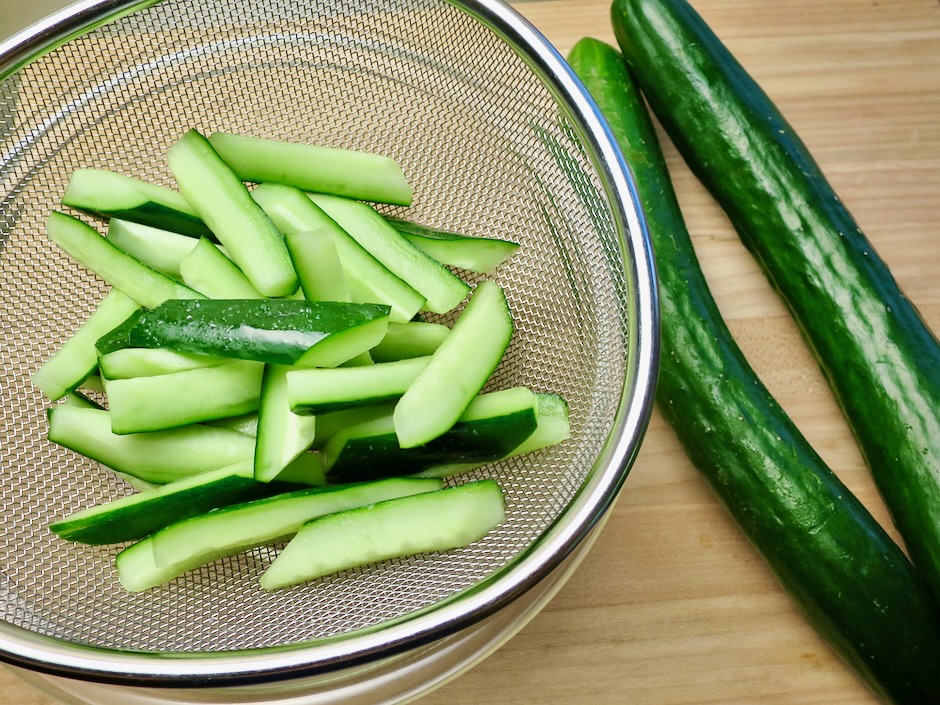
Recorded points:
(458,369)
(207,270)
(369,281)
(146,286)
(157,457)
(407,340)
(176,399)
(227,208)
(353,174)
(314,391)
(317,264)
(77,358)
(162,250)
(442,289)
(125,363)
(433,521)
(282,436)
(191,543)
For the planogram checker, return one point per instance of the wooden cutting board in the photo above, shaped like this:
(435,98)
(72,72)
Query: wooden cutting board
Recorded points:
(672,606)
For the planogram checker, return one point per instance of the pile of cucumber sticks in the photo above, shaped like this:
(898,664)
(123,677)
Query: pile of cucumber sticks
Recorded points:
(261,369)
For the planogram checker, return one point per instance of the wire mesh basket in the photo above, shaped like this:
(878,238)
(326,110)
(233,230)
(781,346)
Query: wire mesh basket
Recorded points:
(496,137)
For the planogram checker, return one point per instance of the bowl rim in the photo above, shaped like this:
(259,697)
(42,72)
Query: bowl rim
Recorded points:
(23,648)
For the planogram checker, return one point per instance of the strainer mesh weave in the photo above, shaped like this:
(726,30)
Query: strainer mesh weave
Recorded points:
(489,151)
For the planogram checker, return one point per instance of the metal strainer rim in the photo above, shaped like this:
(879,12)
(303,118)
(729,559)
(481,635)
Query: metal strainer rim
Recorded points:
(51,655)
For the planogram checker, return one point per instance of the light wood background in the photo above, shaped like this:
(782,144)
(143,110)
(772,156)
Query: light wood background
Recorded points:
(672,606)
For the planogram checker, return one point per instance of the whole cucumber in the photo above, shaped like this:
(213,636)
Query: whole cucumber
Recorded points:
(850,580)
(880,358)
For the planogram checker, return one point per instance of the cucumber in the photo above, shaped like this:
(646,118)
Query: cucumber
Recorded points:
(157,457)
(77,358)
(224,204)
(368,279)
(880,358)
(146,286)
(106,194)
(342,172)
(432,521)
(281,435)
(180,398)
(207,270)
(852,582)
(442,289)
(126,363)
(317,264)
(315,391)
(491,428)
(189,544)
(475,254)
(137,515)
(279,331)
(161,250)
(458,369)
(552,426)
(407,340)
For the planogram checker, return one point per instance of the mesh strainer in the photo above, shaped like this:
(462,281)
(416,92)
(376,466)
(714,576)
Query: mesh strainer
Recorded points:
(497,138)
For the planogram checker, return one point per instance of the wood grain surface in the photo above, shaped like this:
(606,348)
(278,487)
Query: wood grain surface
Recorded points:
(672,606)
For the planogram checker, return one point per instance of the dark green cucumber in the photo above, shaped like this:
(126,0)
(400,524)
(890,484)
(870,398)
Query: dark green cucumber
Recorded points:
(490,429)
(193,542)
(852,582)
(475,254)
(225,205)
(429,521)
(279,331)
(137,515)
(881,359)
(342,172)
(106,195)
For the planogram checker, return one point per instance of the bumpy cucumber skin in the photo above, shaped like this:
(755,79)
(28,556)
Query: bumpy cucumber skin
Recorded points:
(851,581)
(879,356)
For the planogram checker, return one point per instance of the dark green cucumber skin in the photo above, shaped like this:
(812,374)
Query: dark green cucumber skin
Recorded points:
(880,358)
(157,216)
(226,327)
(118,338)
(850,580)
(478,441)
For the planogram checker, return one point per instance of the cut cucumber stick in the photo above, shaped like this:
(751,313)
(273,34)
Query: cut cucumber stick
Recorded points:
(107,194)
(475,254)
(432,521)
(458,369)
(343,172)
(77,358)
(191,543)
(83,243)
(224,204)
